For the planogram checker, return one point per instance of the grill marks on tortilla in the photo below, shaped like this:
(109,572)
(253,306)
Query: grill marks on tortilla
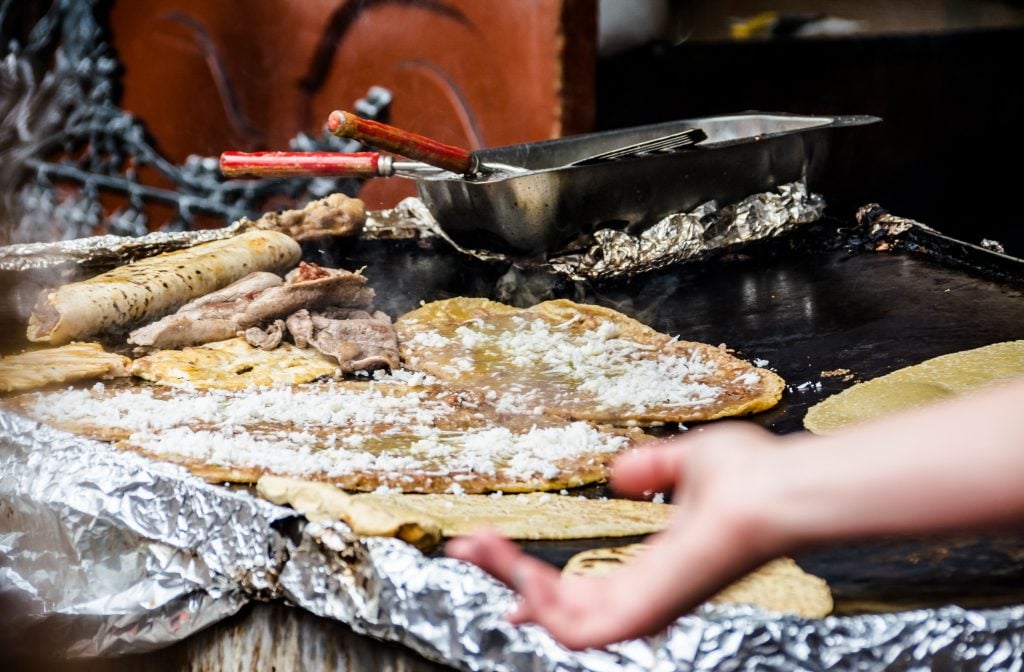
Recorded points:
(579,361)
(151,287)
(357,435)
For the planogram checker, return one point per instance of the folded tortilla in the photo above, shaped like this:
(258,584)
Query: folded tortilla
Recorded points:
(152,287)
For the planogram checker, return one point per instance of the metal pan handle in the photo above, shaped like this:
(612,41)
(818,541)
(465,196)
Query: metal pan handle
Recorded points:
(403,143)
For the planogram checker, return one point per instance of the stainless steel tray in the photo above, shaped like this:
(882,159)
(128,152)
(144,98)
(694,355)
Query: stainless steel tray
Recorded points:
(552,203)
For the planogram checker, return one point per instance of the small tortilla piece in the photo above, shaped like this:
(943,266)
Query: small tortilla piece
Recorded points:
(779,586)
(358,435)
(150,288)
(233,365)
(581,362)
(322,501)
(532,516)
(66,364)
(932,380)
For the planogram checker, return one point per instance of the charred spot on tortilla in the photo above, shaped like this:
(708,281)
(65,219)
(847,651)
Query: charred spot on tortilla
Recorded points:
(580,361)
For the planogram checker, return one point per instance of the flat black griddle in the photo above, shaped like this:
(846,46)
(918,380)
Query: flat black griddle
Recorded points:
(828,297)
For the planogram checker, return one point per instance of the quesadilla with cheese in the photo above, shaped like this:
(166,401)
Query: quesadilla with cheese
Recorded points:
(581,362)
(357,435)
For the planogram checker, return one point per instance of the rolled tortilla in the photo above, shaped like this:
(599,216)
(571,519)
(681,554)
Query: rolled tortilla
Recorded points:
(155,286)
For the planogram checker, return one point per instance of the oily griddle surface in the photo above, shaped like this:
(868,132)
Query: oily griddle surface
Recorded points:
(809,306)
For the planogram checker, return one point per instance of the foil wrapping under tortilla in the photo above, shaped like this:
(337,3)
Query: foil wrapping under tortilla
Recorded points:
(609,253)
(67,260)
(109,553)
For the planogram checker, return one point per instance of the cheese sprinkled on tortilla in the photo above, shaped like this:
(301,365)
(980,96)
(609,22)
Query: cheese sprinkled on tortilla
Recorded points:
(335,429)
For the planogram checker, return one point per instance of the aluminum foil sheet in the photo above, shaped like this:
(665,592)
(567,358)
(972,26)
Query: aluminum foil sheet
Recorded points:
(110,553)
(611,253)
(454,613)
(68,259)
(691,235)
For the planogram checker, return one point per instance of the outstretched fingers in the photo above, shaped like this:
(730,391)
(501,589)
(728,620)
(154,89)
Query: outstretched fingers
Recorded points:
(649,469)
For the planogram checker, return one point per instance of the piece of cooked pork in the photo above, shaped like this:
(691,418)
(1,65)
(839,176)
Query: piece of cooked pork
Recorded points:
(360,341)
(253,302)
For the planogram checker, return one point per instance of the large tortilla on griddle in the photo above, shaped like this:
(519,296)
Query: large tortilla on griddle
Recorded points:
(780,585)
(357,435)
(152,287)
(580,361)
(68,363)
(526,517)
(932,380)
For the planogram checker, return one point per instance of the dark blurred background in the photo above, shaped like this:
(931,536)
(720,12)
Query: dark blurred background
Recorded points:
(943,75)
(197,78)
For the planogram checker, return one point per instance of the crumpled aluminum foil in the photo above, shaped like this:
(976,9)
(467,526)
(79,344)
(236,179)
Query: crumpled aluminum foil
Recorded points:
(68,259)
(454,613)
(680,237)
(690,235)
(118,554)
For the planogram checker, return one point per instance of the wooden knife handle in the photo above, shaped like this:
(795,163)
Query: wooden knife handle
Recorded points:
(403,143)
(301,164)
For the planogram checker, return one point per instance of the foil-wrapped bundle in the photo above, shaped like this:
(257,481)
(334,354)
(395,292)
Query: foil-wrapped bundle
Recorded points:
(609,253)
(690,235)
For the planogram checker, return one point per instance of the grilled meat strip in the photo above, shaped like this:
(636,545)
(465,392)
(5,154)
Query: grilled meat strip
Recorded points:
(267,338)
(358,340)
(233,310)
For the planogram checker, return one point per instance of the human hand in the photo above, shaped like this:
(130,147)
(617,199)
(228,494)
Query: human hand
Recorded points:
(723,478)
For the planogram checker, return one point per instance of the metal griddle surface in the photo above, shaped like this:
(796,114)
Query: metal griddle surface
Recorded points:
(807,306)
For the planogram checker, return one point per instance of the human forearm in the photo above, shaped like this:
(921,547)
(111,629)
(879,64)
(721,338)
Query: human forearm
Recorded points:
(949,466)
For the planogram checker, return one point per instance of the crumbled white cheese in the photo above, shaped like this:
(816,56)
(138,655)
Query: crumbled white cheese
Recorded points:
(613,372)
(429,339)
(332,430)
